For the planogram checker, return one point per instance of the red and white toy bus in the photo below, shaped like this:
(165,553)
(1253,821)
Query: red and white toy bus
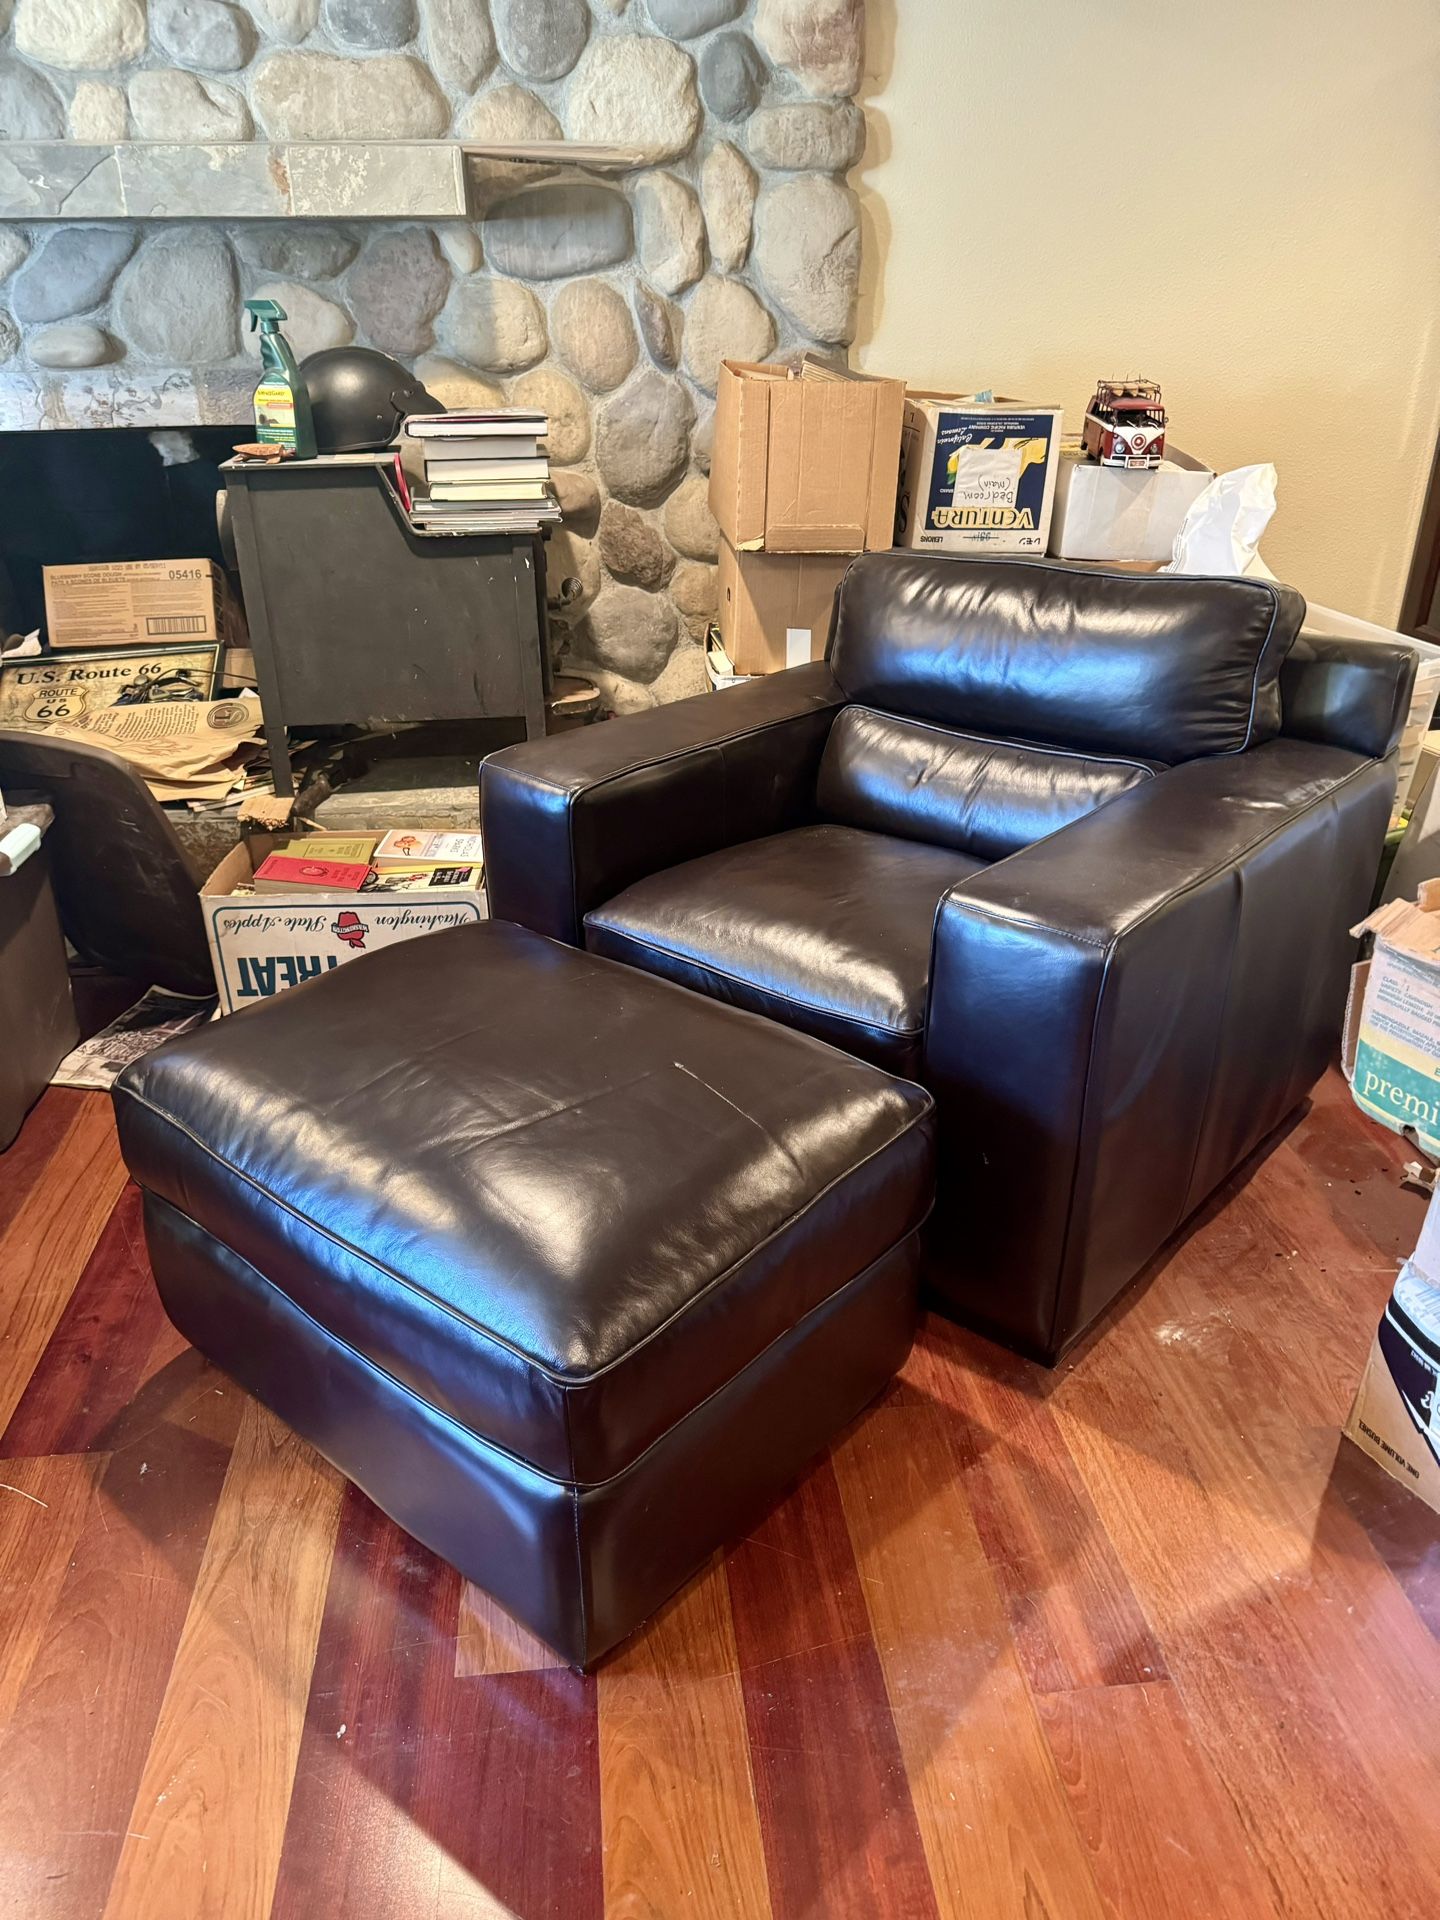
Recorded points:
(1125,424)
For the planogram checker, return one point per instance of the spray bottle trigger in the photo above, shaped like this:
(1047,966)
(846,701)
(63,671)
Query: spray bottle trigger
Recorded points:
(268,312)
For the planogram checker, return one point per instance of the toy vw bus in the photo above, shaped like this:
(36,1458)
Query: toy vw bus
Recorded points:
(1125,424)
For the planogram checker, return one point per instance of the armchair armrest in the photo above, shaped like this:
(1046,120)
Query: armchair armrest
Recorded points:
(1345,692)
(1119,1014)
(571,821)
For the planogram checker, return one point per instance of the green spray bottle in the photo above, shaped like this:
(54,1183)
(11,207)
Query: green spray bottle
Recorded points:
(282,401)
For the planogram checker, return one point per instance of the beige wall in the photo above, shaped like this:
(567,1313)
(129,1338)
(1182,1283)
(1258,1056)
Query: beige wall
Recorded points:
(1239,198)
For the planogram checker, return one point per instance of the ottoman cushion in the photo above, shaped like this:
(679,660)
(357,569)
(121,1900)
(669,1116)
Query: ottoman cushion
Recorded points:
(555,1203)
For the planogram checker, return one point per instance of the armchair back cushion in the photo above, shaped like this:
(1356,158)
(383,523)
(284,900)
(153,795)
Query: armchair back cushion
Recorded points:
(1153,667)
(987,798)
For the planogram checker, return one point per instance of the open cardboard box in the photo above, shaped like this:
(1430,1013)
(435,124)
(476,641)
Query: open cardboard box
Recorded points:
(804,464)
(260,944)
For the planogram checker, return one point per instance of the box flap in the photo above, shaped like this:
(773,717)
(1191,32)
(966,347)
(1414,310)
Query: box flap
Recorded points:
(997,403)
(233,871)
(1187,462)
(819,467)
(738,459)
(1354,1013)
(1405,926)
(829,442)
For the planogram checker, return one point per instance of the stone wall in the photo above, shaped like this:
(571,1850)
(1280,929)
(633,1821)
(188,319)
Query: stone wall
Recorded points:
(608,303)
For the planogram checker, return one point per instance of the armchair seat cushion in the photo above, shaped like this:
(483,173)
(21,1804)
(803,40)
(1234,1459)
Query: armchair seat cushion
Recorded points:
(826,929)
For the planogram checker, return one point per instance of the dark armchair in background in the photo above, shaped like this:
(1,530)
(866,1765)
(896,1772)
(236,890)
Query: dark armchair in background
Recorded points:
(1077,850)
(128,901)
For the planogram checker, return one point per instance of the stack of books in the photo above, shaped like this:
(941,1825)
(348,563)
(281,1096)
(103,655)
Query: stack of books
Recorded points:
(484,472)
(401,862)
(414,862)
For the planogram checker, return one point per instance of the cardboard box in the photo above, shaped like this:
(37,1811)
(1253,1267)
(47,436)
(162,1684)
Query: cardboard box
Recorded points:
(125,603)
(775,607)
(1396,1415)
(1115,513)
(1390,1048)
(977,476)
(260,944)
(804,463)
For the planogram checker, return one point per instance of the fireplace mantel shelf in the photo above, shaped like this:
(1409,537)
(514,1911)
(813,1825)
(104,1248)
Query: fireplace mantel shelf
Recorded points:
(266,179)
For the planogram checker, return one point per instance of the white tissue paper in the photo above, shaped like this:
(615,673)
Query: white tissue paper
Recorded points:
(1221,531)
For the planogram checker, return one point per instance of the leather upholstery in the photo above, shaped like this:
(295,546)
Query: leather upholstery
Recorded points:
(1120,1014)
(825,928)
(1117,1010)
(568,822)
(982,797)
(144,922)
(581,1566)
(1347,693)
(1158,667)
(556,1200)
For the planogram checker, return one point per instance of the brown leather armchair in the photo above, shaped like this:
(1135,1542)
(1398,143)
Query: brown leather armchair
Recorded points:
(1077,850)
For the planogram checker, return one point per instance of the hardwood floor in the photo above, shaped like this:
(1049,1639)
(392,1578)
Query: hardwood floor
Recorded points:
(1137,1637)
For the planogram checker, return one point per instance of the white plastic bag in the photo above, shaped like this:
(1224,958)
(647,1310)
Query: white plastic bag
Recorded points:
(1221,530)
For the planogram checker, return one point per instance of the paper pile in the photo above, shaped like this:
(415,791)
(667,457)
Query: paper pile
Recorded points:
(195,750)
(157,1016)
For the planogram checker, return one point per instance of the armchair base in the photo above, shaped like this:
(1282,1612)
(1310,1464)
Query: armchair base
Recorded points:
(1120,1014)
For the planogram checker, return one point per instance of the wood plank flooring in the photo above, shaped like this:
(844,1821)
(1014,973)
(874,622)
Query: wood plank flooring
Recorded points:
(1137,1637)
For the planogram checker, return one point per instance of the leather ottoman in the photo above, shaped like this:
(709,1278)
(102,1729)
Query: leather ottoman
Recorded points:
(570,1269)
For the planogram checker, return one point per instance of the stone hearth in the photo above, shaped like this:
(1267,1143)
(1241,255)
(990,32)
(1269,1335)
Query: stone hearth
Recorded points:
(608,303)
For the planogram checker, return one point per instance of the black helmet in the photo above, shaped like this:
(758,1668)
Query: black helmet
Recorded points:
(358,398)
